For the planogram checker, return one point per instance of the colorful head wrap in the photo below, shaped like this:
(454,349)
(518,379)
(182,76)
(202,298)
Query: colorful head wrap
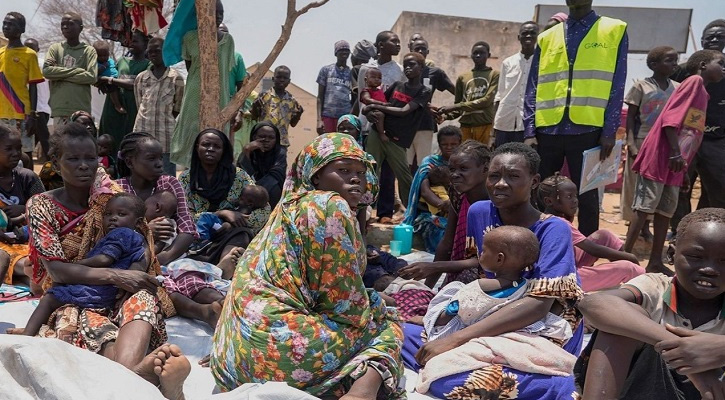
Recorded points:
(352,119)
(320,152)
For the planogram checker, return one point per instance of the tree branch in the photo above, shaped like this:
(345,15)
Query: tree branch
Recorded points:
(208,54)
(253,80)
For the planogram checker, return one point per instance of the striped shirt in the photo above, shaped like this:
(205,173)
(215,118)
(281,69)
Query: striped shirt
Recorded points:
(158,100)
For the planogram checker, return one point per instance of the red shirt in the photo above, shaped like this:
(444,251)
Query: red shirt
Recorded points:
(684,111)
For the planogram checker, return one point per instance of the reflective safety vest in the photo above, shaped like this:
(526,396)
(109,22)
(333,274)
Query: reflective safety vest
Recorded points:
(584,87)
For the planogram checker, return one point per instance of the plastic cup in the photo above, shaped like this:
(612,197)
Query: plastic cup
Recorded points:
(395,246)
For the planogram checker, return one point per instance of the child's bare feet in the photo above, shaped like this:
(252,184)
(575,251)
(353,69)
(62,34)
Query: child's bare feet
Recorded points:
(212,312)
(653,267)
(171,367)
(228,263)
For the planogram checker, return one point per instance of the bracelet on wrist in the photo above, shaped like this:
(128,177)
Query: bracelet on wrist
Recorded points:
(676,157)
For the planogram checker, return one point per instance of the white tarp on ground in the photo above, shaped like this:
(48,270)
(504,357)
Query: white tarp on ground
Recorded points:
(71,373)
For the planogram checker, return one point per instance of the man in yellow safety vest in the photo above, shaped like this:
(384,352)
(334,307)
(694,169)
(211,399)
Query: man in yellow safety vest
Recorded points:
(574,95)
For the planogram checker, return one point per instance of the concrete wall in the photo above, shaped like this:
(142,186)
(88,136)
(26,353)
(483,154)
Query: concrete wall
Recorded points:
(450,40)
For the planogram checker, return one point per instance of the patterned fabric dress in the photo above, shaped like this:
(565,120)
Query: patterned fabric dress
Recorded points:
(60,234)
(298,311)
(431,227)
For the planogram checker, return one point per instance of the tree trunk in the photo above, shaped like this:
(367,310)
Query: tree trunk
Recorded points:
(210,91)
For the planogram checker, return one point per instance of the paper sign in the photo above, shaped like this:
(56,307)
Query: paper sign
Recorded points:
(596,173)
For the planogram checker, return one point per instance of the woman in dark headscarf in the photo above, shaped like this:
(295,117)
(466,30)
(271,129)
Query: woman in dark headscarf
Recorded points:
(265,159)
(214,184)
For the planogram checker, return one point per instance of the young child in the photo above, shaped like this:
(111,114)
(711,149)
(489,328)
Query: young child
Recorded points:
(278,106)
(507,251)
(123,247)
(668,150)
(162,205)
(107,67)
(208,225)
(475,93)
(645,100)
(439,179)
(661,335)
(105,149)
(374,94)
(559,194)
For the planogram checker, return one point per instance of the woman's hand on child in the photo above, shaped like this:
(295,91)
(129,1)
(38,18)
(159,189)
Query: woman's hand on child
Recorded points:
(162,229)
(235,218)
(693,351)
(434,348)
(134,281)
(14,211)
(417,270)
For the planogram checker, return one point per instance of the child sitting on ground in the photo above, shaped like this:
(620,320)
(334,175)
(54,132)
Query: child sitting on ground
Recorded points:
(667,152)
(439,179)
(107,67)
(507,251)
(661,337)
(105,149)
(162,205)
(209,225)
(123,247)
(559,194)
(374,94)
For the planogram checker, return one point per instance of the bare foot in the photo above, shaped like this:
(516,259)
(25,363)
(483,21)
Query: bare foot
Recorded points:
(172,368)
(212,312)
(228,263)
(658,267)
(15,331)
(145,368)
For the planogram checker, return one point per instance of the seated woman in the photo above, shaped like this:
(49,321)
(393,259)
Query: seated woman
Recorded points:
(214,184)
(552,288)
(298,311)
(662,337)
(140,165)
(265,159)
(431,227)
(559,194)
(17,185)
(48,175)
(468,165)
(64,224)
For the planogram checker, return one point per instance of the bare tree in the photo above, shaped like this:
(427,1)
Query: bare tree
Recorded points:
(45,24)
(209,114)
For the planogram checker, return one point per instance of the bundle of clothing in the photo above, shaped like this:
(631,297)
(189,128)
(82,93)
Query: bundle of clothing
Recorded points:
(119,18)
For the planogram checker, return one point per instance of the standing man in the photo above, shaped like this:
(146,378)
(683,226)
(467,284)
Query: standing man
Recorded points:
(434,79)
(20,75)
(709,163)
(38,124)
(71,67)
(508,124)
(334,86)
(574,96)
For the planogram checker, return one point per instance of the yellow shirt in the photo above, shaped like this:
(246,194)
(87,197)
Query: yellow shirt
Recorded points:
(442,194)
(18,68)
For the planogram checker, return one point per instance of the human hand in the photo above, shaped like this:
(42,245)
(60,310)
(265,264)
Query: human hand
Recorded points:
(632,258)
(236,122)
(434,348)
(531,142)
(709,385)
(418,270)
(204,362)
(235,218)
(443,110)
(383,137)
(252,146)
(162,229)
(607,144)
(133,281)
(14,211)
(320,127)
(693,351)
(677,163)
(416,320)
(633,150)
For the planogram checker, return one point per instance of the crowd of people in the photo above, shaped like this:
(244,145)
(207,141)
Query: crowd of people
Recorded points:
(148,215)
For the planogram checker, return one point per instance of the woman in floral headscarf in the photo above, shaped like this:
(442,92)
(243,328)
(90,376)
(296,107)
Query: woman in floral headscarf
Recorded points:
(298,311)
